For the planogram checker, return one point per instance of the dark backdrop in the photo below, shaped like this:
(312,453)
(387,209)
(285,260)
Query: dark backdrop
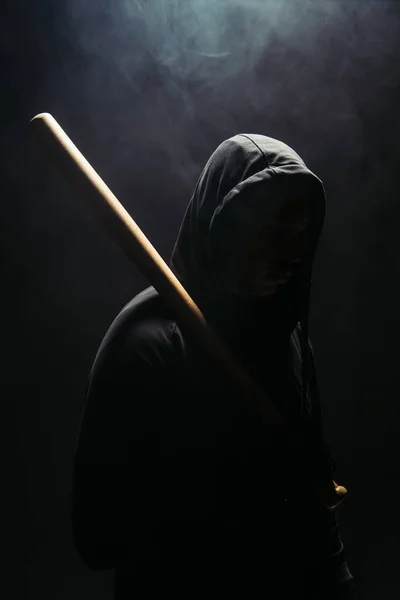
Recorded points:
(147,90)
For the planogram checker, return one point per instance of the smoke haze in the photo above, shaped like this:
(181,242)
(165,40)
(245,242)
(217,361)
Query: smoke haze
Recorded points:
(147,90)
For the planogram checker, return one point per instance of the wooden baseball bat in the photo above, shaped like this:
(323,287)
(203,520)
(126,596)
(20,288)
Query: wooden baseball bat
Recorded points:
(126,233)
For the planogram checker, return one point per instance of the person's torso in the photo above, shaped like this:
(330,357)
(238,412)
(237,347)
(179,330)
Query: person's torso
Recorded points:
(225,501)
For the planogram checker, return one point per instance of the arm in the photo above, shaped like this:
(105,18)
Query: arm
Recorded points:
(115,463)
(320,460)
(326,464)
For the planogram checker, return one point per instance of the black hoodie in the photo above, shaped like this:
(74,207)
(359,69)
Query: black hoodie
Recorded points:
(176,483)
(252,193)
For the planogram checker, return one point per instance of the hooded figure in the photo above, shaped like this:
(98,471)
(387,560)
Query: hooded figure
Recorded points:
(246,245)
(177,485)
(245,254)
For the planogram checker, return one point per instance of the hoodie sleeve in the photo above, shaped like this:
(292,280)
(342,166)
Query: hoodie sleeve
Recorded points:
(325,463)
(116,458)
(319,457)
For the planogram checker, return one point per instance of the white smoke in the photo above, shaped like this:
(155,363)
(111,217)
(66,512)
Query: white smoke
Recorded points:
(181,75)
(203,40)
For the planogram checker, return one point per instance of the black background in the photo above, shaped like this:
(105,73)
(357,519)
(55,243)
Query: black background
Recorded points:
(127,82)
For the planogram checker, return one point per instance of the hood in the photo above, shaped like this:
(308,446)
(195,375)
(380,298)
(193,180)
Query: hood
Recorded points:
(254,197)
(251,193)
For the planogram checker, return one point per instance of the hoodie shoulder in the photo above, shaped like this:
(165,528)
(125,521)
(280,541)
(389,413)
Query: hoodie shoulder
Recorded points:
(141,331)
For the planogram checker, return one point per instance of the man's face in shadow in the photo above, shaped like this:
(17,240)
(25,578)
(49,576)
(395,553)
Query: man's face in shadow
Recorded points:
(267,258)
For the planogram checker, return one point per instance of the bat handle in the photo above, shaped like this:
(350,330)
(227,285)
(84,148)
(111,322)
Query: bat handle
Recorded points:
(331,494)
